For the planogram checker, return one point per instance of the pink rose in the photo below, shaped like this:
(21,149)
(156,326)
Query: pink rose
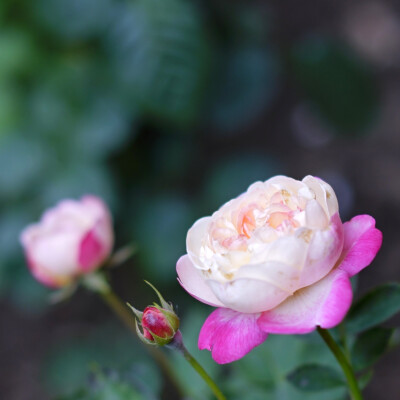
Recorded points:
(277,259)
(71,239)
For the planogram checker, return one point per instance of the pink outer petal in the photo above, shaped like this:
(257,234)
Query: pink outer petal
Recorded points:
(191,280)
(230,335)
(324,304)
(361,243)
(91,252)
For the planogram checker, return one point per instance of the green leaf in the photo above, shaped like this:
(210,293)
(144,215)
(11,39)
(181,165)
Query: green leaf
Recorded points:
(17,177)
(77,179)
(103,128)
(245,85)
(68,361)
(374,308)
(107,386)
(337,84)
(314,377)
(160,226)
(365,378)
(17,52)
(264,370)
(369,346)
(74,19)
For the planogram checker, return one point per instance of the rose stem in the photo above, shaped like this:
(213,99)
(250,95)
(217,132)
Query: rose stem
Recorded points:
(177,344)
(342,360)
(343,340)
(97,283)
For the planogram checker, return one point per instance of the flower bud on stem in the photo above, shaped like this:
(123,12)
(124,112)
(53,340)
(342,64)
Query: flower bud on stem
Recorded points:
(99,285)
(159,322)
(160,327)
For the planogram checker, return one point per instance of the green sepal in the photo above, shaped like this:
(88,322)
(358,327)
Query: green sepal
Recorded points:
(121,255)
(164,304)
(96,282)
(161,341)
(138,313)
(141,336)
(172,318)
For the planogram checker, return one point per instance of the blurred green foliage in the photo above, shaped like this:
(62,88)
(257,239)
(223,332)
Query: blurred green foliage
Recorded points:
(263,372)
(108,385)
(336,83)
(67,363)
(81,79)
(136,101)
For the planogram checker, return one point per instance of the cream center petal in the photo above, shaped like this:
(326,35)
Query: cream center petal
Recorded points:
(244,229)
(57,253)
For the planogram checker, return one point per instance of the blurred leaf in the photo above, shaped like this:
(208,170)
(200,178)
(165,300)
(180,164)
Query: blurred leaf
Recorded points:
(232,176)
(74,181)
(15,279)
(103,128)
(244,85)
(74,19)
(159,226)
(11,224)
(245,24)
(69,360)
(22,164)
(264,370)
(336,83)
(171,152)
(314,377)
(26,293)
(10,108)
(365,378)
(370,346)
(375,307)
(161,55)
(107,386)
(16,53)
(49,110)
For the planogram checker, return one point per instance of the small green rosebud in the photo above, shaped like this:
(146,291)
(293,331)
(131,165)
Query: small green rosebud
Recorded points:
(159,323)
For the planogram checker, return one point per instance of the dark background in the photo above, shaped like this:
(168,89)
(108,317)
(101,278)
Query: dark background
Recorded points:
(167,109)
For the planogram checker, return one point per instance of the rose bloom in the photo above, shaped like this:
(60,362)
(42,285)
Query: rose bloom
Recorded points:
(71,239)
(277,259)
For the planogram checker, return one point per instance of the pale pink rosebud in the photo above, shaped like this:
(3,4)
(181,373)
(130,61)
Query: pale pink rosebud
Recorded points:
(71,239)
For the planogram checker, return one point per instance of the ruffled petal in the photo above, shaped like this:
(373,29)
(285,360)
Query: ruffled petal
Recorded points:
(193,282)
(194,240)
(324,252)
(230,335)
(249,295)
(324,193)
(361,243)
